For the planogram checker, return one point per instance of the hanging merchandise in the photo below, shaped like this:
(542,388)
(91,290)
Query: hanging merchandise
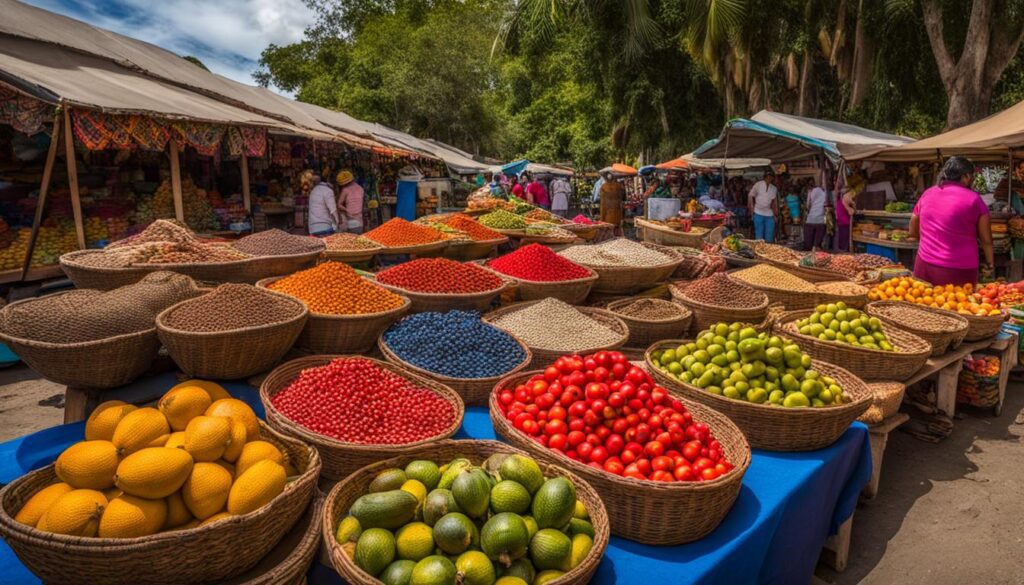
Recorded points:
(23,113)
(149,134)
(205,138)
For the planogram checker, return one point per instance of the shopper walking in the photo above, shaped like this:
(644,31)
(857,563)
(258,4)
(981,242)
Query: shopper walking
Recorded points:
(763,202)
(537,194)
(949,219)
(814,223)
(350,203)
(561,193)
(323,209)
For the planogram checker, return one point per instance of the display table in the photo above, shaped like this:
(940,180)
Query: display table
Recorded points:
(789,504)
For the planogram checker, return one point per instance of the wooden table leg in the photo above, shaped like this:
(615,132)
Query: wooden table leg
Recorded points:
(879,437)
(836,552)
(945,388)
(79,403)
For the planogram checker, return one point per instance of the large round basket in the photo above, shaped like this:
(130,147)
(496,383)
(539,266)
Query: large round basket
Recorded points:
(706,314)
(628,279)
(573,291)
(650,512)
(229,355)
(337,334)
(868,364)
(666,236)
(644,332)
(289,561)
(777,428)
(944,330)
(828,292)
(260,267)
(345,493)
(543,357)
(466,250)
(473,391)
(199,555)
(94,277)
(443,302)
(808,273)
(981,327)
(340,458)
(582,231)
(427,250)
(792,300)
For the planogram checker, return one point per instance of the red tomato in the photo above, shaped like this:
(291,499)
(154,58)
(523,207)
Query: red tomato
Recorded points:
(558,442)
(555,427)
(557,413)
(643,433)
(577,409)
(721,468)
(615,467)
(618,371)
(551,374)
(615,400)
(538,387)
(596,391)
(590,363)
(662,475)
(644,465)
(654,449)
(598,454)
(702,463)
(584,449)
(619,426)
(709,474)
(632,470)
(662,463)
(684,473)
(615,444)
(691,450)
(531,427)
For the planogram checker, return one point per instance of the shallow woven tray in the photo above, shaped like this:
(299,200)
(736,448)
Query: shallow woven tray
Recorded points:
(289,561)
(419,250)
(644,332)
(473,391)
(573,291)
(229,355)
(628,279)
(340,458)
(582,230)
(340,499)
(790,299)
(98,278)
(981,327)
(337,334)
(666,236)
(868,364)
(217,551)
(887,397)
(465,250)
(650,512)
(248,271)
(705,315)
(544,357)
(807,273)
(443,302)
(776,428)
(941,341)
(855,301)
(352,256)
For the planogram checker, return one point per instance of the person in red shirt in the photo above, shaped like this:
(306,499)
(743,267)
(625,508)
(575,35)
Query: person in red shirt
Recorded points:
(517,188)
(537,194)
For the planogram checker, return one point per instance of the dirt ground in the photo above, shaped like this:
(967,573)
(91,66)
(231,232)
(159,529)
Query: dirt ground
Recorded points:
(945,514)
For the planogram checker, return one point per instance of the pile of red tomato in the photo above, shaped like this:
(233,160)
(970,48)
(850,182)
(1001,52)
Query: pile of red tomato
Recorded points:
(1001,294)
(609,414)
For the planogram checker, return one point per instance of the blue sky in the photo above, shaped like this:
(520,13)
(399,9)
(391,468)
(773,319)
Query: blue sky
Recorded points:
(226,35)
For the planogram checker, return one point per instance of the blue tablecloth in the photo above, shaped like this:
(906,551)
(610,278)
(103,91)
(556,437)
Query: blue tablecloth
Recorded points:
(789,504)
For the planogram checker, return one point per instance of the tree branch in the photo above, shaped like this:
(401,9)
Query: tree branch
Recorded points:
(932,10)
(1005,44)
(979,38)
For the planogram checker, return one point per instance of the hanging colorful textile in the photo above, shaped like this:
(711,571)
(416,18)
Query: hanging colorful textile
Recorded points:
(119,129)
(255,141)
(150,134)
(234,141)
(22,112)
(90,129)
(205,138)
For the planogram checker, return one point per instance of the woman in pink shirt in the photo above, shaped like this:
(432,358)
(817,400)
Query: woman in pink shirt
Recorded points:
(350,203)
(949,219)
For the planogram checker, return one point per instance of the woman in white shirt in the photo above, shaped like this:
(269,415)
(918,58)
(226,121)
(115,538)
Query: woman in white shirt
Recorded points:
(323,210)
(814,225)
(764,207)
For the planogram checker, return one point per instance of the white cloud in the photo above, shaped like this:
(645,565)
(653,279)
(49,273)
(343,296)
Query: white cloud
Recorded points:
(226,35)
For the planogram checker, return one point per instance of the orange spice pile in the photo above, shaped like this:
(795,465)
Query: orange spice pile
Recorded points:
(334,288)
(472,228)
(396,233)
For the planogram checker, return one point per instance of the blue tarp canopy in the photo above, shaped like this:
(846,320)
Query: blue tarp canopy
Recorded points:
(781,137)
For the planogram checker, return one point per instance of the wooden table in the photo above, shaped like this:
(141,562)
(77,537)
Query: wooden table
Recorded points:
(879,437)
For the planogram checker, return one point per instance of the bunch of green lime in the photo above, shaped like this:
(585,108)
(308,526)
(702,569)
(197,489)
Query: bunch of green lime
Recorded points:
(841,324)
(735,361)
(498,523)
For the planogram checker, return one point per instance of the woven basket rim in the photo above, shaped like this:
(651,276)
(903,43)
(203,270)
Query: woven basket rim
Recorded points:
(962,324)
(818,285)
(68,259)
(592,277)
(620,328)
(739,466)
(303,314)
(681,294)
(310,437)
(394,250)
(648,224)
(588,564)
(342,254)
(687,313)
(506,283)
(391,355)
(265,282)
(864,398)
(120,544)
(491,242)
(787,324)
(676,259)
(778,289)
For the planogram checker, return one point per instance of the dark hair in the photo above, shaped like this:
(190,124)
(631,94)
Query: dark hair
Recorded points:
(955,168)
(769,174)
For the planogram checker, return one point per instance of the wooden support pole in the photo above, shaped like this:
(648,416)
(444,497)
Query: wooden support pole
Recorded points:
(246,198)
(179,206)
(76,202)
(44,189)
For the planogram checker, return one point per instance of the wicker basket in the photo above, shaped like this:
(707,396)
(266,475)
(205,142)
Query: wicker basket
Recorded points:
(338,334)
(340,499)
(981,327)
(628,279)
(443,302)
(868,364)
(340,458)
(792,300)
(473,391)
(543,357)
(644,332)
(582,231)
(200,555)
(467,250)
(289,561)
(854,301)
(572,292)
(420,250)
(941,341)
(886,400)
(230,355)
(98,278)
(806,272)
(650,512)
(706,315)
(776,428)
(352,256)
(666,236)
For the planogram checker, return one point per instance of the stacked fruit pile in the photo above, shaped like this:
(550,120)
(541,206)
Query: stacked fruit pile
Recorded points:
(194,460)
(735,361)
(611,415)
(501,522)
(961,299)
(503,220)
(838,323)
(1002,295)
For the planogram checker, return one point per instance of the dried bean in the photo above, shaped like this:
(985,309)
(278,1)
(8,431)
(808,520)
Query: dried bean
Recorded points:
(617,252)
(555,326)
(721,290)
(277,243)
(766,275)
(232,306)
(651,310)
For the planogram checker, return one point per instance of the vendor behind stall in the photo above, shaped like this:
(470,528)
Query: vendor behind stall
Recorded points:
(949,219)
(323,210)
(764,207)
(350,203)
